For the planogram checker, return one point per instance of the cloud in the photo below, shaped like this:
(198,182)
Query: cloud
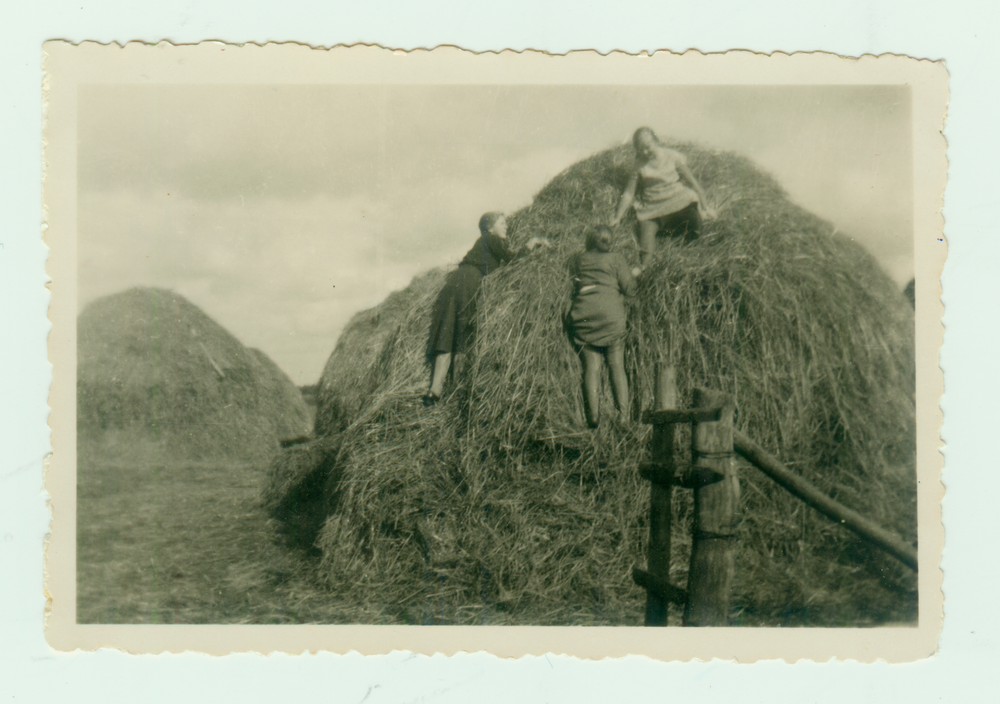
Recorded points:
(283,210)
(286,274)
(219,142)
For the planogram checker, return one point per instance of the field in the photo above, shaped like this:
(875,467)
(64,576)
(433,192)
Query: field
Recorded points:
(186,544)
(190,544)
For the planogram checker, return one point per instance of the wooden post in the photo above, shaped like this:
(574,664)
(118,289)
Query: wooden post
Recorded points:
(716,516)
(660,508)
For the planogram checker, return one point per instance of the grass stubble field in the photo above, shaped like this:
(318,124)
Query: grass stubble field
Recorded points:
(189,543)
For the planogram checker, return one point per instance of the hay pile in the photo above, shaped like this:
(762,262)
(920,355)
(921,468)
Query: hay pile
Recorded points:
(497,505)
(157,378)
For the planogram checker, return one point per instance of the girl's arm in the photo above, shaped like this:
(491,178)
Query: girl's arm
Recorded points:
(500,248)
(628,197)
(530,247)
(536,242)
(533,245)
(686,174)
(626,281)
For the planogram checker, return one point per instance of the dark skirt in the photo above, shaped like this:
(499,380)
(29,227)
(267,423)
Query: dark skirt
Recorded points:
(685,223)
(598,317)
(455,312)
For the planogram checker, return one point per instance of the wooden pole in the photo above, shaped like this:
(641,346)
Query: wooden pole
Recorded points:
(716,516)
(660,508)
(814,498)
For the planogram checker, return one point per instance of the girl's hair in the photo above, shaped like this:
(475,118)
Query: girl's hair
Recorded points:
(644,130)
(599,238)
(487,222)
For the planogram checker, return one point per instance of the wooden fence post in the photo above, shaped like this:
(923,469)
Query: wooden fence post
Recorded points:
(660,508)
(716,515)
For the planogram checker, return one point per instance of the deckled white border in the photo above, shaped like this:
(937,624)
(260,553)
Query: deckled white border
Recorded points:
(293,63)
(961,671)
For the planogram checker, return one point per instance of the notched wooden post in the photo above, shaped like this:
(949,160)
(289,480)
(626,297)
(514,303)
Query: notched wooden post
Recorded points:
(660,508)
(716,515)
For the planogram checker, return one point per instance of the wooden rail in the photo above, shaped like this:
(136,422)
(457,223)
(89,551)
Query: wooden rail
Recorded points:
(813,497)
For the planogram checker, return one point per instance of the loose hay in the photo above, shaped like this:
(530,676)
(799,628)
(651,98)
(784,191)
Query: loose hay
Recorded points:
(156,377)
(496,506)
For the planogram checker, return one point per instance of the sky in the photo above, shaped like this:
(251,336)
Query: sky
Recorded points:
(281,211)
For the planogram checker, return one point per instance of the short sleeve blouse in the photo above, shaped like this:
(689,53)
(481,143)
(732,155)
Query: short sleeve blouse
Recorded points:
(661,191)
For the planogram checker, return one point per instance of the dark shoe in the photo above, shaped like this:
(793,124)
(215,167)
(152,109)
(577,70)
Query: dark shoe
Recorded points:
(430,398)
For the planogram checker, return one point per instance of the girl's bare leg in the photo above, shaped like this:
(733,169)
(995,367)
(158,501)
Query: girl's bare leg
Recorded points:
(593,362)
(693,224)
(619,382)
(647,240)
(442,362)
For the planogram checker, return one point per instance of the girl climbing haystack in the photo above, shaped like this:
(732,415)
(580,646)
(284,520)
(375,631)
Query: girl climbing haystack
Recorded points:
(455,313)
(602,278)
(665,194)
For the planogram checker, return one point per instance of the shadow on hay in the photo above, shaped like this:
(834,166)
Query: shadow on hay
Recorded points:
(301,489)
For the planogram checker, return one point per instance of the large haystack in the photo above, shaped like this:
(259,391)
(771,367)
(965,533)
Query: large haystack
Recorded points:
(159,379)
(498,506)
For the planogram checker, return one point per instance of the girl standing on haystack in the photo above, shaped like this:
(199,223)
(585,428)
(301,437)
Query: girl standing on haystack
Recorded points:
(602,278)
(455,312)
(662,201)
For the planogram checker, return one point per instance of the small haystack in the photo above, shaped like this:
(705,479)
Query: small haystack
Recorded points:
(498,505)
(157,378)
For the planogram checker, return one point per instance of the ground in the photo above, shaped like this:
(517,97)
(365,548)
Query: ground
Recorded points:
(186,544)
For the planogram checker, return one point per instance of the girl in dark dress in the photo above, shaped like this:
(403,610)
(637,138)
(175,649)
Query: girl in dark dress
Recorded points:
(602,278)
(455,313)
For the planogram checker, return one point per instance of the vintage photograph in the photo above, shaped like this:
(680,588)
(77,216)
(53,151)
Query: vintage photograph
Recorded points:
(502,353)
